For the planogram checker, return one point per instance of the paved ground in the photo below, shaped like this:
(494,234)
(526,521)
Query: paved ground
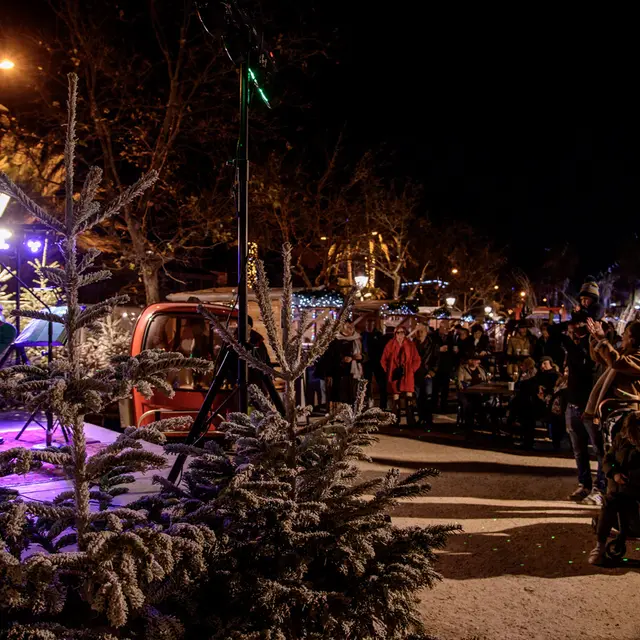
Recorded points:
(519,570)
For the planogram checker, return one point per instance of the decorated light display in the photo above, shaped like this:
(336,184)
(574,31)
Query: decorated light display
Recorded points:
(317,299)
(438,282)
(252,258)
(405,308)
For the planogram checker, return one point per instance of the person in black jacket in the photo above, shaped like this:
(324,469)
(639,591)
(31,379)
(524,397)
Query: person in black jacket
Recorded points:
(423,377)
(480,341)
(373,343)
(549,346)
(622,468)
(344,364)
(444,366)
(465,345)
(589,306)
(581,429)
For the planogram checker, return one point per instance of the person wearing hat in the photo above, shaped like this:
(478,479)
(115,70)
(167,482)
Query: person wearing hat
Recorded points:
(589,306)
(470,374)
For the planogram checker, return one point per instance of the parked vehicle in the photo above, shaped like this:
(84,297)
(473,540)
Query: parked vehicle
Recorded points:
(177,326)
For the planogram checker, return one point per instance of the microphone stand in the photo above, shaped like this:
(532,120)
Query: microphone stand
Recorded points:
(238,21)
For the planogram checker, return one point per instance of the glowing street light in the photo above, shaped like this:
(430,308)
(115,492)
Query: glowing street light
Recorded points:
(34,245)
(523,294)
(496,287)
(361,281)
(4,201)
(450,301)
(5,234)
(454,271)
(488,310)
(7,64)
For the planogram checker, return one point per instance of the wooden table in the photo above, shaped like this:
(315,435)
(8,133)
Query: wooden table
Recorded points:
(496,391)
(490,389)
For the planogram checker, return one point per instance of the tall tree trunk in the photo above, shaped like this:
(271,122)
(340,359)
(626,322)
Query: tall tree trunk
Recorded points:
(151,281)
(397,281)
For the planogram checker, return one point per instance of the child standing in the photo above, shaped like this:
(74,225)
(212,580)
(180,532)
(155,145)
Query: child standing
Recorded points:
(622,468)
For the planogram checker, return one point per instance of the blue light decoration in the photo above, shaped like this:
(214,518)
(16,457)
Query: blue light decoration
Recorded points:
(404,308)
(442,313)
(317,299)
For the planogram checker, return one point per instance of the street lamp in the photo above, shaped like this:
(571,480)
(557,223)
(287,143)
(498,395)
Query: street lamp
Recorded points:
(523,294)
(7,64)
(496,287)
(4,201)
(450,301)
(361,281)
(488,310)
(454,271)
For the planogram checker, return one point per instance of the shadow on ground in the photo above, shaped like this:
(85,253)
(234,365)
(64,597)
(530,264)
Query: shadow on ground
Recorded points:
(543,550)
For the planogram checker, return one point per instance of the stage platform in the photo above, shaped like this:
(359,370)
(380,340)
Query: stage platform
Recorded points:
(46,484)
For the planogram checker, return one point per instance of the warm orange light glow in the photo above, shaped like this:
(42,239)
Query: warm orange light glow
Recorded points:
(496,287)
(523,294)
(454,271)
(7,64)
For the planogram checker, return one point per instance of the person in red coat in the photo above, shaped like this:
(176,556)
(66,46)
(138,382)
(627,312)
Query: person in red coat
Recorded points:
(400,361)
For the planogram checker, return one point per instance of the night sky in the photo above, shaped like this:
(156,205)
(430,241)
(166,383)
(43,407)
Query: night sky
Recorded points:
(522,123)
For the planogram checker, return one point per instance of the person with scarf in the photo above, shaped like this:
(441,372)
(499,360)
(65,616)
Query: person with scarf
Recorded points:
(400,361)
(344,364)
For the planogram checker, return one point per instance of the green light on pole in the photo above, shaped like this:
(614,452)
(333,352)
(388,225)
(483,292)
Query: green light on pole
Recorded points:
(259,88)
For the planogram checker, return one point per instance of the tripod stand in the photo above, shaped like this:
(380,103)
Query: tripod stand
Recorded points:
(205,416)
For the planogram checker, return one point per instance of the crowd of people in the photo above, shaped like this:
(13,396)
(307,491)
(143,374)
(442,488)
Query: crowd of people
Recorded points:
(559,375)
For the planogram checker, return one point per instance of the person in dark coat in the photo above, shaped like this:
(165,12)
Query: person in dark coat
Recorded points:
(481,344)
(344,364)
(589,306)
(550,347)
(445,365)
(581,429)
(373,343)
(622,469)
(424,375)
(465,345)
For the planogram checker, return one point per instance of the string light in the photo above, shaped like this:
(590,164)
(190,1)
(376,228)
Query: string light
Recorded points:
(440,283)
(252,269)
(321,299)
(259,88)
(398,309)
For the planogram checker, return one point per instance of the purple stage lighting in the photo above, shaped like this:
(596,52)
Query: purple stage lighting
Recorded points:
(34,245)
